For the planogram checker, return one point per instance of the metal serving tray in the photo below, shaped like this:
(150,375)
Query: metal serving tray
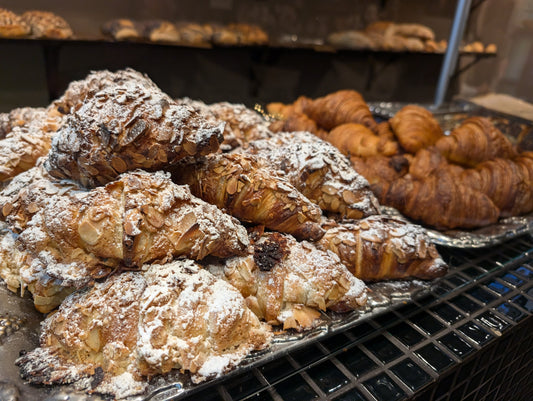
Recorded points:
(518,130)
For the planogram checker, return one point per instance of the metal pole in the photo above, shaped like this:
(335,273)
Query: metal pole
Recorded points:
(450,58)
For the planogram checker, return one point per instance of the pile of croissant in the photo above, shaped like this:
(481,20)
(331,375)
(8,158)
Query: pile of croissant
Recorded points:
(468,179)
(169,234)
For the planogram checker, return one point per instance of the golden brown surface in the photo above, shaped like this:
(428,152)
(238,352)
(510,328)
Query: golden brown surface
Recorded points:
(415,128)
(474,141)
(45,24)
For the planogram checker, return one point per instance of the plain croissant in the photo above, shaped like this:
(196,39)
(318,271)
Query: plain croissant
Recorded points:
(474,141)
(415,128)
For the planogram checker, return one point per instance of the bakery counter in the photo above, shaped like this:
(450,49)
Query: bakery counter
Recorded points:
(471,338)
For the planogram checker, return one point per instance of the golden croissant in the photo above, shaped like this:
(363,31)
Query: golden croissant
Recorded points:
(507,182)
(415,128)
(474,141)
(384,248)
(115,336)
(439,200)
(252,191)
(354,139)
(341,107)
(320,172)
(124,127)
(287,283)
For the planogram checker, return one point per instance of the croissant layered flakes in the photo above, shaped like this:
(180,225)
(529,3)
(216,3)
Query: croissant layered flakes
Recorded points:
(384,248)
(474,141)
(140,218)
(124,127)
(320,172)
(354,139)
(288,282)
(110,338)
(248,189)
(415,128)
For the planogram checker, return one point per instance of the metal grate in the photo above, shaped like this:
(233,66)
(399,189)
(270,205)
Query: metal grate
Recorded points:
(470,339)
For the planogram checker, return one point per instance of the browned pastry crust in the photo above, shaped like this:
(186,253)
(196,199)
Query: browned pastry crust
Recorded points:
(126,126)
(249,34)
(507,182)
(224,36)
(474,141)
(381,169)
(194,34)
(415,128)
(384,248)
(122,29)
(439,200)
(161,31)
(354,139)
(252,191)
(287,282)
(138,219)
(297,122)
(12,25)
(320,172)
(45,24)
(341,107)
(113,337)
(25,144)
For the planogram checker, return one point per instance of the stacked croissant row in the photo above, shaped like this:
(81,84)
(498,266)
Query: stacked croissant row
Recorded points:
(170,234)
(467,179)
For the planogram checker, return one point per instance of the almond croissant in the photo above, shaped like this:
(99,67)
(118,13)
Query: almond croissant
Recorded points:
(248,189)
(341,107)
(320,172)
(113,337)
(384,248)
(124,127)
(474,141)
(137,219)
(415,128)
(288,282)
(27,142)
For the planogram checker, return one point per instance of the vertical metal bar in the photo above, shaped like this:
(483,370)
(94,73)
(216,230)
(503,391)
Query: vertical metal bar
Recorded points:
(450,58)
